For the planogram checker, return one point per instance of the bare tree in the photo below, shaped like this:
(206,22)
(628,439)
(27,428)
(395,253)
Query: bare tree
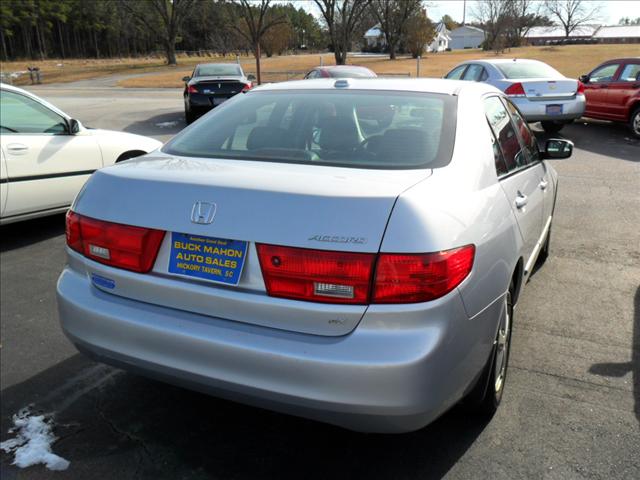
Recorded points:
(256,21)
(392,15)
(343,19)
(495,17)
(171,13)
(573,13)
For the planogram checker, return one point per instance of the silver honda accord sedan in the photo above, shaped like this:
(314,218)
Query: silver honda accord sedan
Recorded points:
(344,250)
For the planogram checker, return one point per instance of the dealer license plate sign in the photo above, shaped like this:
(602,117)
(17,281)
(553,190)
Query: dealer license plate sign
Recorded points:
(554,109)
(214,259)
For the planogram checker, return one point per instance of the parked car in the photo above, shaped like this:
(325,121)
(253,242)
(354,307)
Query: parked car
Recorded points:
(46,156)
(341,71)
(210,84)
(613,92)
(289,251)
(539,91)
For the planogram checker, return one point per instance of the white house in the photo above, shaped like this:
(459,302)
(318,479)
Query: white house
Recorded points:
(441,41)
(374,37)
(466,36)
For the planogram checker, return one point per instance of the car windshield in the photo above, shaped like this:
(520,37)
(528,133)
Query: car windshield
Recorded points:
(350,73)
(217,70)
(527,70)
(363,129)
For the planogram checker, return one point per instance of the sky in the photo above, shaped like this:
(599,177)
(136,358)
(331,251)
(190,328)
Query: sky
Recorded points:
(612,10)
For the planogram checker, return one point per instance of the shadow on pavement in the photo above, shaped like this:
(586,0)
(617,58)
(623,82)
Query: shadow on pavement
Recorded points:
(633,366)
(112,424)
(22,234)
(603,138)
(164,124)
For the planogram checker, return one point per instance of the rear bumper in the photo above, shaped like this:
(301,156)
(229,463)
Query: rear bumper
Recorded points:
(536,111)
(396,372)
(200,103)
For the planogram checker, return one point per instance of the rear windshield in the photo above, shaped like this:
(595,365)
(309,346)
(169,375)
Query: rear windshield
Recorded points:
(351,73)
(362,129)
(217,70)
(527,70)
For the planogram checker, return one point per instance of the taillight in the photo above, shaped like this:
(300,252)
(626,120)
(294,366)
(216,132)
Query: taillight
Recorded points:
(341,277)
(580,90)
(114,244)
(316,275)
(515,90)
(192,89)
(410,278)
(247,87)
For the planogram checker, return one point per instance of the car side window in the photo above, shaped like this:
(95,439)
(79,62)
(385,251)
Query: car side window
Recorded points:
(312,74)
(604,74)
(630,73)
(505,134)
(456,73)
(474,73)
(526,135)
(21,114)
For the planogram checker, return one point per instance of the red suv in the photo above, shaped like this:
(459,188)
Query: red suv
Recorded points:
(613,92)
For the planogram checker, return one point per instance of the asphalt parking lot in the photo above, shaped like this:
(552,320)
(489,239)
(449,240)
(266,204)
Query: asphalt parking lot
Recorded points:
(571,407)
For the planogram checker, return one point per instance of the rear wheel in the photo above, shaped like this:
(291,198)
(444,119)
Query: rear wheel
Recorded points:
(486,396)
(188,116)
(552,126)
(634,122)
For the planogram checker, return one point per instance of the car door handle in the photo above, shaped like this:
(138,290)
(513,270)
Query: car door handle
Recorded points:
(17,147)
(543,184)
(521,200)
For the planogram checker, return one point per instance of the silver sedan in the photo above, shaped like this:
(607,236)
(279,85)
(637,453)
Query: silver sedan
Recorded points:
(539,91)
(345,250)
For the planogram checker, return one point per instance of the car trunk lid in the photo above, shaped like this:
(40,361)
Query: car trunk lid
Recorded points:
(549,89)
(305,206)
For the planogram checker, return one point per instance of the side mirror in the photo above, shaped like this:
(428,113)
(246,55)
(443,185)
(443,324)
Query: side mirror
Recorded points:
(74,126)
(251,77)
(558,148)
(584,78)
(186,79)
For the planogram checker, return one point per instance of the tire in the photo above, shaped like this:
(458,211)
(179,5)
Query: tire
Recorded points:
(544,252)
(485,397)
(552,126)
(634,122)
(189,117)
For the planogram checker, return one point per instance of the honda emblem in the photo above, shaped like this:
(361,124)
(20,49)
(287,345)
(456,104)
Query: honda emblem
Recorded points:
(203,212)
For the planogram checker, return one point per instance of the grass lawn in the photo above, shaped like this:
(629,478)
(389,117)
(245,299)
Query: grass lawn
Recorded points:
(571,60)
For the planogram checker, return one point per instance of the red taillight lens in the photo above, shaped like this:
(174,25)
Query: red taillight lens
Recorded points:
(316,275)
(339,277)
(192,89)
(402,278)
(247,87)
(72,231)
(515,90)
(580,90)
(114,244)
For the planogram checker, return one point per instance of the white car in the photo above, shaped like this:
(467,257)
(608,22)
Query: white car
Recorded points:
(46,156)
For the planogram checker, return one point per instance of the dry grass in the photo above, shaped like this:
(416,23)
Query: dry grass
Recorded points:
(571,60)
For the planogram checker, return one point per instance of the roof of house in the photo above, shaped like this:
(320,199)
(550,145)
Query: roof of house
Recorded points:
(618,31)
(558,31)
(464,29)
(373,32)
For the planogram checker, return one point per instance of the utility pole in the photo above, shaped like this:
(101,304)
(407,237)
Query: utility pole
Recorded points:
(464,12)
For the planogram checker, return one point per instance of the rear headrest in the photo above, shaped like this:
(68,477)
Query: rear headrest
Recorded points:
(406,144)
(266,137)
(338,134)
